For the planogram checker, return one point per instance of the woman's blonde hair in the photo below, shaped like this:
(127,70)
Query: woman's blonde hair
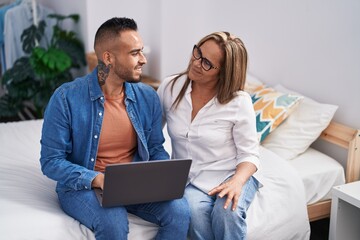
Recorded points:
(233,67)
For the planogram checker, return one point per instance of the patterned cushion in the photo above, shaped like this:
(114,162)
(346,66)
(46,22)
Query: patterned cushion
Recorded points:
(272,108)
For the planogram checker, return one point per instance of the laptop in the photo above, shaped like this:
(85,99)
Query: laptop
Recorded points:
(143,182)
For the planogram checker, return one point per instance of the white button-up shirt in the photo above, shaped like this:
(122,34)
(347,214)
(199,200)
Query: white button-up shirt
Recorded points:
(217,140)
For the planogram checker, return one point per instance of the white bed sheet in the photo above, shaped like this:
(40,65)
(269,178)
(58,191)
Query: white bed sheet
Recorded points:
(319,173)
(29,208)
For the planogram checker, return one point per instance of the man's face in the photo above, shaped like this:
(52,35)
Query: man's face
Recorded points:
(129,57)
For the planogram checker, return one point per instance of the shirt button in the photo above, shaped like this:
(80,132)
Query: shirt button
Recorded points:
(101,98)
(86,187)
(92,159)
(100,114)
(96,136)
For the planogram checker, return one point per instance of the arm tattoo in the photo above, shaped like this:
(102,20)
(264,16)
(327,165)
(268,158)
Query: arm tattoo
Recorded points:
(103,72)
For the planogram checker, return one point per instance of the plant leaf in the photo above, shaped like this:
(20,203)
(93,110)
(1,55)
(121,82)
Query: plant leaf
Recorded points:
(33,79)
(20,71)
(49,62)
(32,35)
(8,106)
(75,49)
(74,17)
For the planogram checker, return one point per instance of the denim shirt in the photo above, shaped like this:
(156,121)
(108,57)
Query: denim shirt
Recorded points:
(72,127)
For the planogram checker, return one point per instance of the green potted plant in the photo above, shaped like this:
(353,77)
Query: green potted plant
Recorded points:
(32,79)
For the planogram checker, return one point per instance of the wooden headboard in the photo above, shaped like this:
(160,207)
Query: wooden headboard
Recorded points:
(348,138)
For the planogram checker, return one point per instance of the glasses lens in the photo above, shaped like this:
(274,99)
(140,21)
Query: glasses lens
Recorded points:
(196,52)
(206,64)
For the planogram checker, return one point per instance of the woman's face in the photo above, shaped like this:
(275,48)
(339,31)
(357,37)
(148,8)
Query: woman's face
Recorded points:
(207,56)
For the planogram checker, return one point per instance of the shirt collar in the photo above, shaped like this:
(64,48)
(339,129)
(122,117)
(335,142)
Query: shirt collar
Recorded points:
(129,91)
(29,11)
(94,87)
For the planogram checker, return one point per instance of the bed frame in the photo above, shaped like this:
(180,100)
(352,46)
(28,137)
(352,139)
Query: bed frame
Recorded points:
(348,138)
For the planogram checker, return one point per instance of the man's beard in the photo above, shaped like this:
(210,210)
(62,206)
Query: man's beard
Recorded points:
(134,80)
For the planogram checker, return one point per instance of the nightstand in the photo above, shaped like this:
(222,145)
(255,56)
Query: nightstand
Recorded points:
(345,212)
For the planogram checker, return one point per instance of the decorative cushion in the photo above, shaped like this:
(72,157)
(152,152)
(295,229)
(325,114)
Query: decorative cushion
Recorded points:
(272,108)
(301,128)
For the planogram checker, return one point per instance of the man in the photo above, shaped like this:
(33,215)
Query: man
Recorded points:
(107,117)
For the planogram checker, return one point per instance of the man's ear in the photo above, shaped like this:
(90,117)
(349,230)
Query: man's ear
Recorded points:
(106,57)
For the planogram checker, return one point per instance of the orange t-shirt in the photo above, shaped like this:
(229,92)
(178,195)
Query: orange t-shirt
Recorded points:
(118,140)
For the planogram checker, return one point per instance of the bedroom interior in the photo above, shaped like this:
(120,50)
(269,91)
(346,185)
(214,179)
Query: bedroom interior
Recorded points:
(308,48)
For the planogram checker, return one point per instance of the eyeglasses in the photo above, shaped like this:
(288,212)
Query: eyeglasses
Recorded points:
(205,63)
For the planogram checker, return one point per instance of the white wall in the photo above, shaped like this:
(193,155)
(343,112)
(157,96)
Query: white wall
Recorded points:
(67,7)
(311,46)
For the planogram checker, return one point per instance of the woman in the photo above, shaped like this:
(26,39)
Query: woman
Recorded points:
(211,120)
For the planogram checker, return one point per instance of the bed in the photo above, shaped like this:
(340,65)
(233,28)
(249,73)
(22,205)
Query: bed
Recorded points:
(297,181)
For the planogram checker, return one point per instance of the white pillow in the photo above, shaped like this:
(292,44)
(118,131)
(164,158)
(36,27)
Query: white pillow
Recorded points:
(252,83)
(301,128)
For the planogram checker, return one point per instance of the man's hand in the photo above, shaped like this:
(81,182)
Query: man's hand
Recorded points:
(98,181)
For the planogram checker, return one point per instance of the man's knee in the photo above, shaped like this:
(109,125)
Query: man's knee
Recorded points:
(112,223)
(180,211)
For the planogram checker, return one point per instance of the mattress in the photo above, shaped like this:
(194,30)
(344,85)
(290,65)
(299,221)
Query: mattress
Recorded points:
(319,173)
(29,207)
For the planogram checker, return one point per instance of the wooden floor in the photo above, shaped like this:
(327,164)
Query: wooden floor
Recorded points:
(320,229)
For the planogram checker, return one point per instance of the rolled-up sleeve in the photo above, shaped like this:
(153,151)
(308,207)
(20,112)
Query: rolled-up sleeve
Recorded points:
(245,134)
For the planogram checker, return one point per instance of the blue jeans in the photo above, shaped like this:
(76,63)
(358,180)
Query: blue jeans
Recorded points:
(172,217)
(209,219)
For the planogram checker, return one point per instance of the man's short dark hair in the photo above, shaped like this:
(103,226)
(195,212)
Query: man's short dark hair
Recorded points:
(112,27)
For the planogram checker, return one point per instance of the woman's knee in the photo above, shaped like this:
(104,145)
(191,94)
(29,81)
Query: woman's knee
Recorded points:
(222,214)
(227,220)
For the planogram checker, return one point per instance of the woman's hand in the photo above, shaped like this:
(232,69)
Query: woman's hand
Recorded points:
(233,186)
(232,189)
